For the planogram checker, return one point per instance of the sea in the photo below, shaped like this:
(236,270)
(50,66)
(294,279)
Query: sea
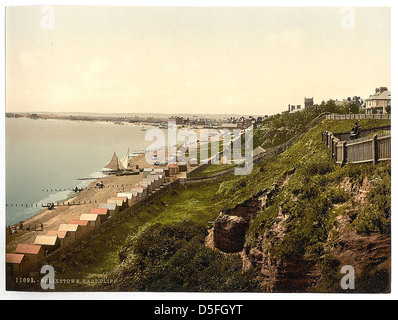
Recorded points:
(45,159)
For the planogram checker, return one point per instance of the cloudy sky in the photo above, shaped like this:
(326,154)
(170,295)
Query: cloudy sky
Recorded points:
(243,60)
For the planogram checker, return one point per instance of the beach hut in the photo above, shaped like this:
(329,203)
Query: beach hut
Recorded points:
(157,181)
(119,204)
(140,192)
(84,224)
(16,264)
(146,172)
(93,219)
(74,230)
(112,207)
(147,185)
(182,167)
(130,197)
(33,252)
(151,181)
(154,180)
(102,212)
(49,243)
(167,172)
(158,171)
(143,191)
(173,169)
(122,202)
(63,236)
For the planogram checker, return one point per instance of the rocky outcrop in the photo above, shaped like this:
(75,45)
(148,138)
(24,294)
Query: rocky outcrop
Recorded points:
(229,231)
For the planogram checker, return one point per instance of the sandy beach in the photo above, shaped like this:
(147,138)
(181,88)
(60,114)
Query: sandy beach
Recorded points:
(51,219)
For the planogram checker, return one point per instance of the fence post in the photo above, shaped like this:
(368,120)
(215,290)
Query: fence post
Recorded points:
(374,149)
(344,153)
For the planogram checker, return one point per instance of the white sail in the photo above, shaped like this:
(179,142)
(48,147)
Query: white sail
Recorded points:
(125,161)
(115,163)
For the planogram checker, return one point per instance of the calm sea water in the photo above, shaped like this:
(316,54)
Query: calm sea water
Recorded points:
(53,154)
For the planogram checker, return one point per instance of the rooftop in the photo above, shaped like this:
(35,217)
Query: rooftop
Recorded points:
(14,258)
(79,222)
(28,248)
(60,234)
(109,206)
(46,240)
(381,94)
(89,217)
(100,211)
(68,227)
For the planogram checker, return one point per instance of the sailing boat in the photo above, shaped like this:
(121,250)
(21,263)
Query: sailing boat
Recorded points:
(115,164)
(125,161)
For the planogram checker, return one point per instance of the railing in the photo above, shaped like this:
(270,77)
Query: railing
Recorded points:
(358,116)
(368,149)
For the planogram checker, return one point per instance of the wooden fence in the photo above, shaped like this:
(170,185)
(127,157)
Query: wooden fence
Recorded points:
(368,149)
(104,227)
(358,116)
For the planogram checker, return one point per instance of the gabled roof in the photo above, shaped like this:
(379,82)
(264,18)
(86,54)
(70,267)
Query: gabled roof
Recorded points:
(46,240)
(14,258)
(79,222)
(89,217)
(60,234)
(68,227)
(28,248)
(100,211)
(109,206)
(128,195)
(119,198)
(385,95)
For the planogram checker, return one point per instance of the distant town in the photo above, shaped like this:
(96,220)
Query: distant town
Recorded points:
(377,103)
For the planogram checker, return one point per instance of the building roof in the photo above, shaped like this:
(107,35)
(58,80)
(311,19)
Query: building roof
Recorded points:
(119,202)
(14,258)
(384,95)
(109,206)
(100,211)
(89,217)
(79,222)
(68,227)
(46,240)
(28,248)
(137,189)
(60,234)
(119,198)
(172,165)
(128,195)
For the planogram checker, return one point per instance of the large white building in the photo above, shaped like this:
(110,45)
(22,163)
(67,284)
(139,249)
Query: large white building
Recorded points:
(379,102)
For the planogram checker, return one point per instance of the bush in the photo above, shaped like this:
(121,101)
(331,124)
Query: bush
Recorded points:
(173,258)
(376,216)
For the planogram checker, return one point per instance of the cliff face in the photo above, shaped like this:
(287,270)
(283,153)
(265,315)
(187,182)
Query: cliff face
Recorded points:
(369,254)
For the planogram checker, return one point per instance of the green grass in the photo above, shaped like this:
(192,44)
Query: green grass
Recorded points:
(212,169)
(195,202)
(311,214)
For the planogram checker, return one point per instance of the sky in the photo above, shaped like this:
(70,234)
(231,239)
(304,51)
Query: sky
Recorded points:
(207,60)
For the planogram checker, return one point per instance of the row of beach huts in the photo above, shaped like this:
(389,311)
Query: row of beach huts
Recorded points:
(27,257)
